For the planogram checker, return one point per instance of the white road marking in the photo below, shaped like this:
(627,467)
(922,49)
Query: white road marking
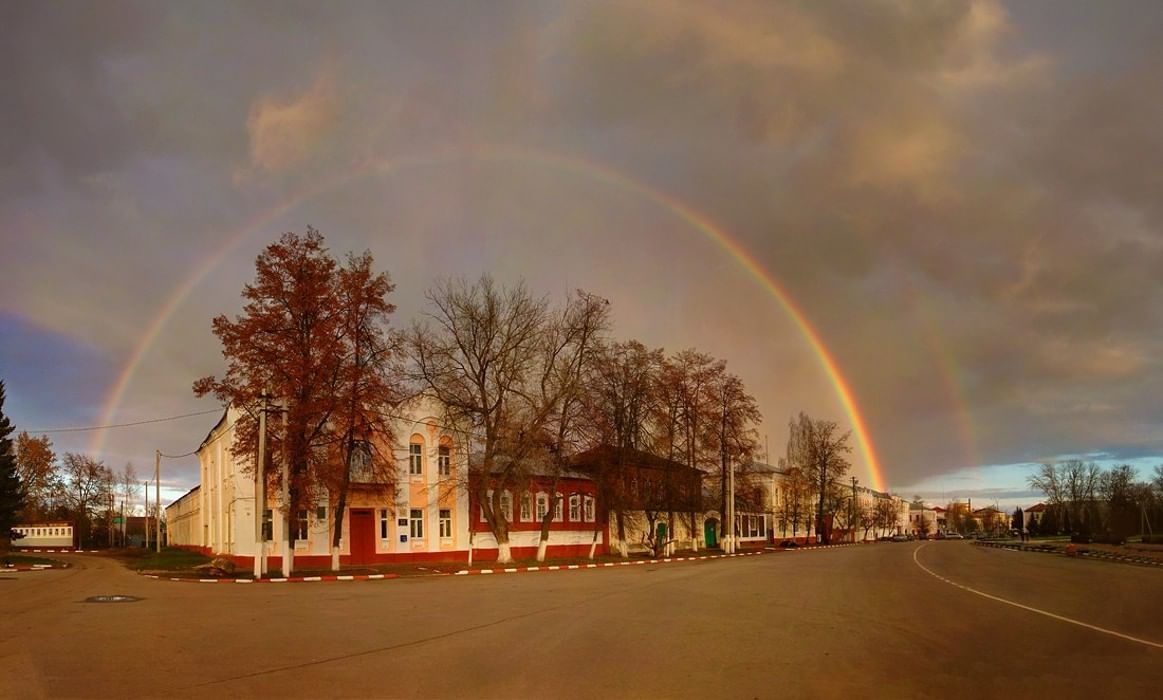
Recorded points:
(1060,618)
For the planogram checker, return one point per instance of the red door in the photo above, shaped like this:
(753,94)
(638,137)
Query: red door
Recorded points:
(363,535)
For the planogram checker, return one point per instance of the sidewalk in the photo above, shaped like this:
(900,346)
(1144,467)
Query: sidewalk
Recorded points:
(396,571)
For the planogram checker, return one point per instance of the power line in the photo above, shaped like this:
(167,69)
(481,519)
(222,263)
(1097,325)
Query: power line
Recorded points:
(123,425)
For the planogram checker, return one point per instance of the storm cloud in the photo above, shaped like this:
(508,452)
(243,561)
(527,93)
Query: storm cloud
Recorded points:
(962,197)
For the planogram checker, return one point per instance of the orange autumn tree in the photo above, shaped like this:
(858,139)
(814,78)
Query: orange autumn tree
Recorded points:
(313,336)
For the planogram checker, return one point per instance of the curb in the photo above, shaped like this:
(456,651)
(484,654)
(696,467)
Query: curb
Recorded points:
(290,579)
(1082,553)
(34,567)
(637,562)
(510,570)
(61,551)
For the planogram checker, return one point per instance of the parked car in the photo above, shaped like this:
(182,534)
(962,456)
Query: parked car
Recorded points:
(953,536)
(900,538)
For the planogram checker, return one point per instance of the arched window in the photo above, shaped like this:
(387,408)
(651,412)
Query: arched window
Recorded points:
(416,456)
(589,509)
(558,507)
(526,507)
(575,508)
(542,505)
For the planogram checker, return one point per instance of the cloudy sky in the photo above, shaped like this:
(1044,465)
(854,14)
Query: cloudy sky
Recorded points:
(962,198)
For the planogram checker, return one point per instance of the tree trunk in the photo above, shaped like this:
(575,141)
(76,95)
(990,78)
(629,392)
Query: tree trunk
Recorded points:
(620,518)
(594,543)
(504,553)
(340,508)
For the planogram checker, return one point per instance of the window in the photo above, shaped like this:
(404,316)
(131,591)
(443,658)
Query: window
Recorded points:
(445,523)
(321,514)
(361,463)
(575,508)
(267,526)
(415,459)
(383,523)
(589,508)
(558,507)
(542,506)
(507,506)
(488,496)
(301,525)
(526,507)
(416,523)
(444,460)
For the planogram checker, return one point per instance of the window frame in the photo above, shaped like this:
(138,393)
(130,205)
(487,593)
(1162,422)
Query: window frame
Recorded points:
(542,506)
(559,508)
(575,508)
(589,509)
(526,509)
(385,522)
(444,460)
(416,524)
(415,458)
(302,525)
(444,519)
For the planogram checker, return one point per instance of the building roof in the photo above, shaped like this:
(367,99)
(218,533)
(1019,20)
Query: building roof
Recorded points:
(1036,509)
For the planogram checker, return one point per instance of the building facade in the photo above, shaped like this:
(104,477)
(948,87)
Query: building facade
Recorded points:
(423,516)
(56,534)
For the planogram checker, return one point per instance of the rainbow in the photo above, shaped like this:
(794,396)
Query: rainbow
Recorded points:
(570,164)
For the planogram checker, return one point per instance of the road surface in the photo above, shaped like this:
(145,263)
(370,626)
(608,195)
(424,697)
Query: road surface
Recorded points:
(895,620)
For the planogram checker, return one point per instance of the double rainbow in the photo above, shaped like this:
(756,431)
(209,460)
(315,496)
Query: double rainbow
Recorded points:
(561,163)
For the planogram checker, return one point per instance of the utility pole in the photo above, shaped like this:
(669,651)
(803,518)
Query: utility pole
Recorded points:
(288,533)
(852,511)
(157,500)
(730,505)
(259,491)
(146,527)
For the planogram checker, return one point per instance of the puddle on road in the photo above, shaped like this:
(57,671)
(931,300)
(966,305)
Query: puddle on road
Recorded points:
(111,599)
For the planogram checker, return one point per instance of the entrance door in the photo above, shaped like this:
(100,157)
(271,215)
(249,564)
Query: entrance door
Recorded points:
(363,535)
(710,532)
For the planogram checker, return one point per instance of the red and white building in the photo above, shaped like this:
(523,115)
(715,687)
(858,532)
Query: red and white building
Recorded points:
(425,516)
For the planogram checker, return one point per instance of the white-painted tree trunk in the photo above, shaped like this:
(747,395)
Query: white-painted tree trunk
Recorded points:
(504,553)
(335,558)
(594,545)
(542,546)
(623,549)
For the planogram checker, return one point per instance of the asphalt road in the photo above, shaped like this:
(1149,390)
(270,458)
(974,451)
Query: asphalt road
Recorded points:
(854,622)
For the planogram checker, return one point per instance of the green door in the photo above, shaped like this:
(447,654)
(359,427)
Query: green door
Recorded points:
(710,530)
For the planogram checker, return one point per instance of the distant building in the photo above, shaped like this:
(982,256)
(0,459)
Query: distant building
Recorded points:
(1034,514)
(55,534)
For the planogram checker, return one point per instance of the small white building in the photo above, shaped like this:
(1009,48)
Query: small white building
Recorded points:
(57,534)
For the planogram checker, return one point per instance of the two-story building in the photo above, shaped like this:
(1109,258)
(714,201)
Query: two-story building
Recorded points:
(422,515)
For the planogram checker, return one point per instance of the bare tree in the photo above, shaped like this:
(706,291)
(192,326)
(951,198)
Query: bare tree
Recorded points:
(619,403)
(476,354)
(734,413)
(570,345)
(818,448)
(87,491)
